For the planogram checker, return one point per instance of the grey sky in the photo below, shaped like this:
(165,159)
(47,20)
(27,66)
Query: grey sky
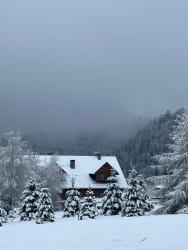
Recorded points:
(69,64)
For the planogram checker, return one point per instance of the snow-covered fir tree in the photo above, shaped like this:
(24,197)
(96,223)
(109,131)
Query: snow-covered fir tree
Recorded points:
(145,204)
(29,201)
(72,202)
(88,206)
(3,214)
(112,201)
(13,213)
(45,209)
(133,204)
(175,166)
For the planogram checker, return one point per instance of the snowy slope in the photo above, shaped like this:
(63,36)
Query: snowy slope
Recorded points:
(103,233)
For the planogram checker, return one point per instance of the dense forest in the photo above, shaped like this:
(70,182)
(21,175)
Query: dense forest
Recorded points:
(149,141)
(136,148)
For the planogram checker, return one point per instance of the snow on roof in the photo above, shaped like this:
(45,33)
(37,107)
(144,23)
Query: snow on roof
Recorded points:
(84,165)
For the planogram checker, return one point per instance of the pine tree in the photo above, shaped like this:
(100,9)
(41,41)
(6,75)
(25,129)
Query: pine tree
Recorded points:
(29,201)
(45,208)
(3,214)
(88,206)
(112,201)
(152,138)
(13,213)
(175,165)
(145,205)
(72,202)
(133,204)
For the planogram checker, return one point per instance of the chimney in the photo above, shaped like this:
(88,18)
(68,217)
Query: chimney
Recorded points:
(49,153)
(98,155)
(72,164)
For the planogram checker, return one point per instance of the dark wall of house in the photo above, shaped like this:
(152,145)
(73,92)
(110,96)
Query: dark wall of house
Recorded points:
(104,170)
(97,192)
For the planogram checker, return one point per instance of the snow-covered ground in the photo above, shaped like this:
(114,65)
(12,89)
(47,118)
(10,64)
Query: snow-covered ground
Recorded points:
(103,233)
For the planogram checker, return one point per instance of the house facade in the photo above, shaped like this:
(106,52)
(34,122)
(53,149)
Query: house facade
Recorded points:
(87,172)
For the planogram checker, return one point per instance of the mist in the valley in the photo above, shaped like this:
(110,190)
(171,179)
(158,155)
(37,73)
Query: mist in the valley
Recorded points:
(81,66)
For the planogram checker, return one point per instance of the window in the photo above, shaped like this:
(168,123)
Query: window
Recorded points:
(104,177)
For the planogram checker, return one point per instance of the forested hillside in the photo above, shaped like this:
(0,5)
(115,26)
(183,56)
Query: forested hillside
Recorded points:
(151,140)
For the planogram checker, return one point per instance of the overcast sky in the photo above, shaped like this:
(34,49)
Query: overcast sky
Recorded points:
(83,64)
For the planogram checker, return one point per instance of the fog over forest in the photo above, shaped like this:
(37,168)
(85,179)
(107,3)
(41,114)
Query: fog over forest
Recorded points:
(67,67)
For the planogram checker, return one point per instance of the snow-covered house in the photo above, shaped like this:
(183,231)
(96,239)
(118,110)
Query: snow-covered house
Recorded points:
(88,171)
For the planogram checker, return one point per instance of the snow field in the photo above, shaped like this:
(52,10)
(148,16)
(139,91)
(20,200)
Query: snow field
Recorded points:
(168,232)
